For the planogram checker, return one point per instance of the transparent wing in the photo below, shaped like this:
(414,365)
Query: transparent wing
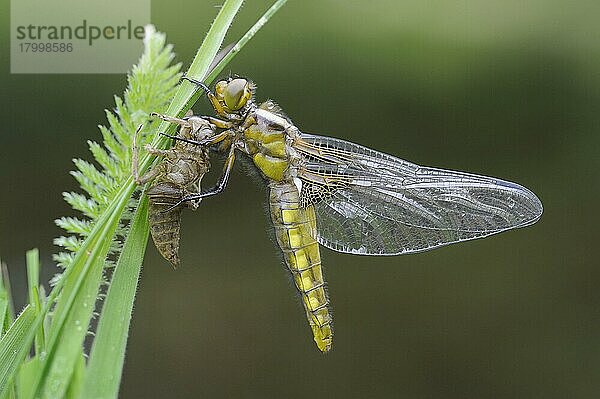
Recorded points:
(371,203)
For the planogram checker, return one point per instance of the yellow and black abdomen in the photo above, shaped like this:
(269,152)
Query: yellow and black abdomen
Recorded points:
(294,225)
(294,229)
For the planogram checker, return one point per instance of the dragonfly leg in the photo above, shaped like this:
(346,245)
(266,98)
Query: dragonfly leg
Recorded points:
(151,174)
(211,97)
(168,118)
(206,142)
(249,121)
(135,156)
(157,151)
(220,123)
(195,188)
(198,83)
(222,183)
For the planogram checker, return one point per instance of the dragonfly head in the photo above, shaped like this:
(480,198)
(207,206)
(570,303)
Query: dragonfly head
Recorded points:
(234,93)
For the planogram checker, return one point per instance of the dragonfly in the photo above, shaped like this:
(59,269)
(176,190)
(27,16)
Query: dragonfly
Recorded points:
(350,198)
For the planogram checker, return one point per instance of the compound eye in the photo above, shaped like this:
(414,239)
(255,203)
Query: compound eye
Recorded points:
(220,88)
(236,94)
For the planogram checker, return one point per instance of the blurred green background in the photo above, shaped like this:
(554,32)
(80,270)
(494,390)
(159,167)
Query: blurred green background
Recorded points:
(508,89)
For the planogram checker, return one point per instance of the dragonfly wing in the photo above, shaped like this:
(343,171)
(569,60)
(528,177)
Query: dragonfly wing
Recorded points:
(371,203)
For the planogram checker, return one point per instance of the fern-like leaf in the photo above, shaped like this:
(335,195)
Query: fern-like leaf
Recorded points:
(151,85)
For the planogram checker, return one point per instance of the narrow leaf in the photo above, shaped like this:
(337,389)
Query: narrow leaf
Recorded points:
(108,351)
(74,390)
(15,344)
(33,281)
(28,373)
(6,294)
(216,70)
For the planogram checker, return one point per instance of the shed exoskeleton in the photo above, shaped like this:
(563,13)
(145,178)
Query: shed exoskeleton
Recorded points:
(177,175)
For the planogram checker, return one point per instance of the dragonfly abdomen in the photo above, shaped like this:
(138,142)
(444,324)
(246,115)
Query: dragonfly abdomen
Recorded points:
(294,229)
(165,224)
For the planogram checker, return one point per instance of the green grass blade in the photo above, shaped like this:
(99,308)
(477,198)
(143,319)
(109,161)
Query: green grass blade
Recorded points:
(187,93)
(3,309)
(28,373)
(9,314)
(9,393)
(33,282)
(213,40)
(5,319)
(77,380)
(15,344)
(245,39)
(108,351)
(33,272)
